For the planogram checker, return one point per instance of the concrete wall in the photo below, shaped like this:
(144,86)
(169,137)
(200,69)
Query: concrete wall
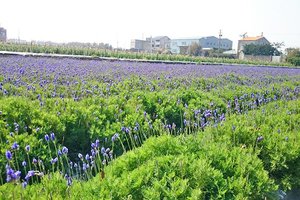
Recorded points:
(255,58)
(276,59)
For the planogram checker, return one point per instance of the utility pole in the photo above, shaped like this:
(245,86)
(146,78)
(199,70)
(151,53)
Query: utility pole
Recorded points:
(220,35)
(151,44)
(19,36)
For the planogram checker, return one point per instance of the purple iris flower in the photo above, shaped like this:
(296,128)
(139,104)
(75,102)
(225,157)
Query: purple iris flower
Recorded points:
(84,167)
(8,155)
(87,156)
(27,148)
(102,150)
(29,174)
(34,161)
(52,136)
(69,181)
(15,146)
(260,138)
(24,184)
(53,161)
(97,142)
(47,138)
(64,150)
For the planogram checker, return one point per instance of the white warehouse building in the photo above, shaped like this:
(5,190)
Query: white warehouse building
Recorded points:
(178,46)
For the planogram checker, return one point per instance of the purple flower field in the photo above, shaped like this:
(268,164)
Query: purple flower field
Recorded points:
(66,121)
(11,66)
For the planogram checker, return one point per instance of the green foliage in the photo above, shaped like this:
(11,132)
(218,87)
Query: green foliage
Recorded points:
(293,56)
(279,149)
(95,53)
(223,162)
(172,168)
(77,123)
(194,49)
(260,50)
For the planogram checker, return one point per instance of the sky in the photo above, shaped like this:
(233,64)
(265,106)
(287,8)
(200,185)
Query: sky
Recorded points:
(118,21)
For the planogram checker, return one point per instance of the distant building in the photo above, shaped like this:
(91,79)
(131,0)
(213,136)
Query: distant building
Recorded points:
(258,40)
(159,43)
(213,42)
(155,44)
(140,45)
(179,46)
(3,36)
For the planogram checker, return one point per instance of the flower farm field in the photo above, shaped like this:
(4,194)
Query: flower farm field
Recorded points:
(99,129)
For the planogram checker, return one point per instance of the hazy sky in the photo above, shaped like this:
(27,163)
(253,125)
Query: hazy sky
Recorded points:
(118,21)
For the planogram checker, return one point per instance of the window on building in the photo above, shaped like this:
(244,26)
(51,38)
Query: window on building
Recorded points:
(183,43)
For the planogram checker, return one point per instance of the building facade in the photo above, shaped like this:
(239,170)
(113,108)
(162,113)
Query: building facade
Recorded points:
(179,46)
(258,40)
(151,44)
(3,36)
(159,43)
(215,43)
(140,45)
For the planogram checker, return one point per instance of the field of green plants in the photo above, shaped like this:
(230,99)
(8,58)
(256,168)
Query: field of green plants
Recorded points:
(96,129)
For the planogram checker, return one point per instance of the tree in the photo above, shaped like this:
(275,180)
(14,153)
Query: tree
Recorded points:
(261,50)
(194,49)
(293,56)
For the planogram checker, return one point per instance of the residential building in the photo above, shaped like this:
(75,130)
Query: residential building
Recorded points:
(3,36)
(140,45)
(258,40)
(159,43)
(215,43)
(151,44)
(179,46)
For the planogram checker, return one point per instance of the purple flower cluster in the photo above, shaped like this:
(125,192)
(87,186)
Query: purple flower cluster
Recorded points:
(12,175)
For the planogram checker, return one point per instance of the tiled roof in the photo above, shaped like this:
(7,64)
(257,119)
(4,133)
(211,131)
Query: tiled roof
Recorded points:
(252,38)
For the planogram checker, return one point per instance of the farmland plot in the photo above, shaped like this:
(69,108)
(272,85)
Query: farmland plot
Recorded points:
(93,129)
